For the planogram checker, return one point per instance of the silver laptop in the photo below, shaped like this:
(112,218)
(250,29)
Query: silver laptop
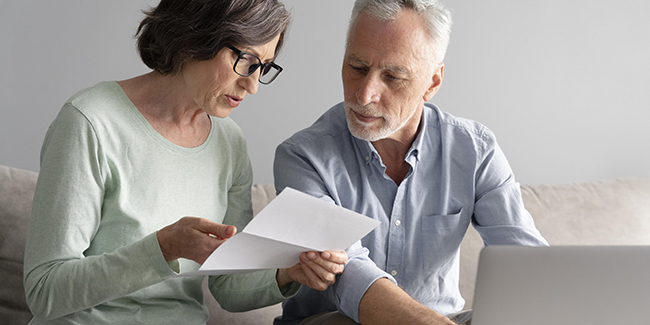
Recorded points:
(563,285)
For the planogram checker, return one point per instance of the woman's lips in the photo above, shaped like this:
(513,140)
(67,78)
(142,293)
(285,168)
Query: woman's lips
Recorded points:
(234,101)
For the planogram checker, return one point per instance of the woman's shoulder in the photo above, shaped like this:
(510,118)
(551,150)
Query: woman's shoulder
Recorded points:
(226,132)
(226,127)
(98,98)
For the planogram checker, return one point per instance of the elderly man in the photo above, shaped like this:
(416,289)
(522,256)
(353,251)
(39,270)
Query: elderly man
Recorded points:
(388,154)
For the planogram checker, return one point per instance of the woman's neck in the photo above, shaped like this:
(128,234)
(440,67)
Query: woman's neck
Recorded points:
(165,103)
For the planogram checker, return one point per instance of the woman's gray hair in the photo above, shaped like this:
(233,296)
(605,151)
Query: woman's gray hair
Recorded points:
(437,17)
(178,31)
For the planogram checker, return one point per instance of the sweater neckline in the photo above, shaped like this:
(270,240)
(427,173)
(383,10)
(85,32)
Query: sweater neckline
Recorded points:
(151,131)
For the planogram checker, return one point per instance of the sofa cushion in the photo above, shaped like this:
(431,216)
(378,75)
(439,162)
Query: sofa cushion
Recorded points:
(603,212)
(16,195)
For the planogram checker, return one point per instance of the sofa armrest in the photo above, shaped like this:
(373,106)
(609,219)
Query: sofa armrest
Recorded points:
(16,194)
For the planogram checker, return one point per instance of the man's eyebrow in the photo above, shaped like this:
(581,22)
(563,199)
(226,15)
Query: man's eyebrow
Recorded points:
(357,60)
(396,69)
(393,68)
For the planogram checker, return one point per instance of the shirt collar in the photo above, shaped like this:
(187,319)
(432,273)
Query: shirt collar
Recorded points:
(369,152)
(416,147)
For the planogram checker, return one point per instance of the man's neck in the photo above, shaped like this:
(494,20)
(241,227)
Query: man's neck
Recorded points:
(394,148)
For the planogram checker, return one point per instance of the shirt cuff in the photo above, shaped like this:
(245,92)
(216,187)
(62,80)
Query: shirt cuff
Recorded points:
(353,283)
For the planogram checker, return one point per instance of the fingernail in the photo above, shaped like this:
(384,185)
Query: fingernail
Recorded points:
(326,255)
(311,256)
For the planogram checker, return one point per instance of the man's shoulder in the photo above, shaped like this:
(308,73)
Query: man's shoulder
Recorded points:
(329,128)
(457,126)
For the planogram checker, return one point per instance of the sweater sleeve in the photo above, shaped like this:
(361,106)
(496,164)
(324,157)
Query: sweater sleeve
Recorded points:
(246,291)
(59,278)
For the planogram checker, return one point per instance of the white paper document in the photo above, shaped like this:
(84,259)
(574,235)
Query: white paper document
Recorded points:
(292,223)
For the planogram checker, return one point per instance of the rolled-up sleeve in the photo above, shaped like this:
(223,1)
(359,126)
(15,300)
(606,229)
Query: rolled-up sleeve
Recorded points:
(360,273)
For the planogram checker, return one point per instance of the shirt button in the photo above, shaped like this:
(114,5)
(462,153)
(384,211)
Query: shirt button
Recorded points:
(397,223)
(393,273)
(367,157)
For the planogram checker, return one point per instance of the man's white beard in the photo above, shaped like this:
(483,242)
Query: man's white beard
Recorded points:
(363,130)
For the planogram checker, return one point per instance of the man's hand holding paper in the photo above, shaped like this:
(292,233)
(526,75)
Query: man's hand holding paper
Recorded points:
(315,270)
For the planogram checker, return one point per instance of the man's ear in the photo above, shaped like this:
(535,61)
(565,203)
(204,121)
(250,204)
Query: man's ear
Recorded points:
(436,81)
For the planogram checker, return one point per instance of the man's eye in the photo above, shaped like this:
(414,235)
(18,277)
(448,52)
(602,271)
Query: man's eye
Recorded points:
(392,78)
(359,69)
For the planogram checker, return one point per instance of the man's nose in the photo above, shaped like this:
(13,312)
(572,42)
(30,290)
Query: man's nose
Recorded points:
(369,90)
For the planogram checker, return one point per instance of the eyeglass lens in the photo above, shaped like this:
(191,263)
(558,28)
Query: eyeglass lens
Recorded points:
(247,64)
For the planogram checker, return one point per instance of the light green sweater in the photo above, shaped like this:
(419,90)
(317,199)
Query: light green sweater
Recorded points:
(108,182)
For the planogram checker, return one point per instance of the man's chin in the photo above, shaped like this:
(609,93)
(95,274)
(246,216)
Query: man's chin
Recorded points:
(364,133)
(361,129)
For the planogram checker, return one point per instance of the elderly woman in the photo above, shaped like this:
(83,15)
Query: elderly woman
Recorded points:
(142,179)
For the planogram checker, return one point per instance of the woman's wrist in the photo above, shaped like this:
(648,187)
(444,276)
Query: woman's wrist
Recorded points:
(282,278)
(160,236)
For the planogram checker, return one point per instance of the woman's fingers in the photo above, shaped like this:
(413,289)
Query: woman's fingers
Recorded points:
(193,238)
(215,229)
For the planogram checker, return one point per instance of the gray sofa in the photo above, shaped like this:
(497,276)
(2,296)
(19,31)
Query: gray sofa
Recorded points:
(608,212)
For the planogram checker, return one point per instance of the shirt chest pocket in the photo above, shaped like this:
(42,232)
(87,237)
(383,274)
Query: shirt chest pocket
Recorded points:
(440,237)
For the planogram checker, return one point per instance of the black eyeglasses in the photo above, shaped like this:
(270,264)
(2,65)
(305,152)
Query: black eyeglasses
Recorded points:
(248,63)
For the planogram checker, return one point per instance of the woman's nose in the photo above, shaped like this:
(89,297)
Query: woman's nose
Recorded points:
(250,83)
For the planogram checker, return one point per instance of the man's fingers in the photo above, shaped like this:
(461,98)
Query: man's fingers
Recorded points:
(336,257)
(324,270)
(329,262)
(314,280)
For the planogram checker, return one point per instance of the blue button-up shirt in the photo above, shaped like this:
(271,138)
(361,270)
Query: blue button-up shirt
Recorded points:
(458,176)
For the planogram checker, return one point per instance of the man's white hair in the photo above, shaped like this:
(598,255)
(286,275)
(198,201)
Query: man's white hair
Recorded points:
(436,16)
